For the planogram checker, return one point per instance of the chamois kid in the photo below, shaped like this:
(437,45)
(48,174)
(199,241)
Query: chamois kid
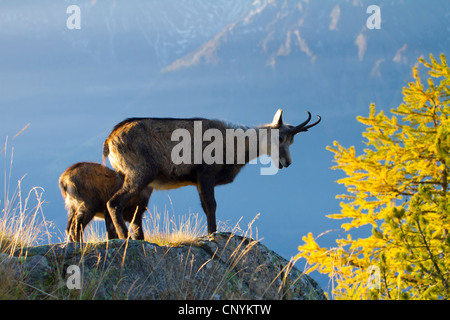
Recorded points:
(86,188)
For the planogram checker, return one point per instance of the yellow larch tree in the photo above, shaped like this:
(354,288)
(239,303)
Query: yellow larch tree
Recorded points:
(398,186)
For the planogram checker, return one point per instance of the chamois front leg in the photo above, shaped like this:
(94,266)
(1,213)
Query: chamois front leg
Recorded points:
(205,189)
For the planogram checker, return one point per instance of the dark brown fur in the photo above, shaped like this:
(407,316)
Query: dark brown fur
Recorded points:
(86,188)
(140,150)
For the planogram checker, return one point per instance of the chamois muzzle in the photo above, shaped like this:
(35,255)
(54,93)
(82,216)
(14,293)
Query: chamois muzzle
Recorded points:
(302,127)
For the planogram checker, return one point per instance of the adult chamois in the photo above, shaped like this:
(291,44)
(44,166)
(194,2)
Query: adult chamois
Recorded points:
(166,153)
(86,188)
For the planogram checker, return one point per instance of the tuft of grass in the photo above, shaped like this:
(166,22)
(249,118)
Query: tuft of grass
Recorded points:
(166,230)
(22,224)
(95,231)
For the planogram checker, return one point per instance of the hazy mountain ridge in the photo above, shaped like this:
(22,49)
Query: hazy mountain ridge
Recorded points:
(314,30)
(175,34)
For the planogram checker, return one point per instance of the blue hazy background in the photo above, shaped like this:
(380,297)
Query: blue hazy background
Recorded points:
(237,60)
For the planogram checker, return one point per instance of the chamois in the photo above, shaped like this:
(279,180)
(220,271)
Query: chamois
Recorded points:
(86,188)
(143,149)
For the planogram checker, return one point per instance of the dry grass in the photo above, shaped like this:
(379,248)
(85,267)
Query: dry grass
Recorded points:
(165,230)
(162,229)
(22,224)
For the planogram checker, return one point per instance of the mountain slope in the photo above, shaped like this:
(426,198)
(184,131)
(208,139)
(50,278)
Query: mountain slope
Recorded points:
(323,30)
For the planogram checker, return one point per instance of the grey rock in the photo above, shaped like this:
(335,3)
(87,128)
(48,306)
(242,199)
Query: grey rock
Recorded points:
(220,266)
(37,270)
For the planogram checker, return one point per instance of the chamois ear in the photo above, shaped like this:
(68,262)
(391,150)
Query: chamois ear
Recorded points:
(277,120)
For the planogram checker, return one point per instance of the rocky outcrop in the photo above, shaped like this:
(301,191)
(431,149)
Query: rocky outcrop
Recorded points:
(221,266)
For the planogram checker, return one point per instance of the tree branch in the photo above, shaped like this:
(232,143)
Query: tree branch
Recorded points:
(438,270)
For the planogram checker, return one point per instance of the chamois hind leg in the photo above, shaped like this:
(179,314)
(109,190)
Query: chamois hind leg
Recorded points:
(138,213)
(116,205)
(206,192)
(115,208)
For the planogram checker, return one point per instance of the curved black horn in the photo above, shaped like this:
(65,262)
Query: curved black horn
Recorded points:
(312,125)
(303,126)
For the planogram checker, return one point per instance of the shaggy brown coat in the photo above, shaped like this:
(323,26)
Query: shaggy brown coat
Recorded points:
(86,188)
